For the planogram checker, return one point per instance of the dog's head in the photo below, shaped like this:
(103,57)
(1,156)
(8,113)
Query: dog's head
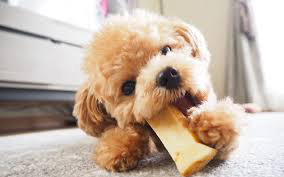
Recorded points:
(138,64)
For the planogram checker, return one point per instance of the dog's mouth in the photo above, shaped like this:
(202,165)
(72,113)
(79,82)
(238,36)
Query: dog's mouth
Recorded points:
(186,102)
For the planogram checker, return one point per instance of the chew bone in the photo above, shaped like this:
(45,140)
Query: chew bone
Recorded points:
(188,153)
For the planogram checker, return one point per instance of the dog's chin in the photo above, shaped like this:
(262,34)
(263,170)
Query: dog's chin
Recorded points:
(185,102)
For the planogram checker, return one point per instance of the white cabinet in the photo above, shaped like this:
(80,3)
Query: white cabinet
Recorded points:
(37,52)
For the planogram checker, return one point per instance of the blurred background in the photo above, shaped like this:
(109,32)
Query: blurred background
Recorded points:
(42,44)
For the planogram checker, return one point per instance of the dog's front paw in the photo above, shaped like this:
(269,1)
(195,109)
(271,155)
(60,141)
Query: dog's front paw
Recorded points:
(115,160)
(121,149)
(217,125)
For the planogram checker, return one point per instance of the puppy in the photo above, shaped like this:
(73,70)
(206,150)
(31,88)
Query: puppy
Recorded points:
(136,65)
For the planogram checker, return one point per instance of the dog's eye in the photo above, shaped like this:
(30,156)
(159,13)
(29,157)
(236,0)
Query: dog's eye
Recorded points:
(128,87)
(165,50)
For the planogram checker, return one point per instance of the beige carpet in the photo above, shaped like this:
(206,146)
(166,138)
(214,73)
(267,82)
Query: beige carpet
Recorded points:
(66,153)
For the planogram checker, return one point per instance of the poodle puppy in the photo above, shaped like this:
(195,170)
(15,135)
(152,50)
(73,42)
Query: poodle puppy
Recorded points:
(136,65)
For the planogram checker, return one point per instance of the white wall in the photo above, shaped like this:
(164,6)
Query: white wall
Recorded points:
(151,5)
(212,18)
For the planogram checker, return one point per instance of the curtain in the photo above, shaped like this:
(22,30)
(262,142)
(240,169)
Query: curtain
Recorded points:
(121,6)
(270,27)
(244,80)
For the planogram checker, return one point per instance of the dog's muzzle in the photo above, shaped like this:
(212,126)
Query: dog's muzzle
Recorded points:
(169,78)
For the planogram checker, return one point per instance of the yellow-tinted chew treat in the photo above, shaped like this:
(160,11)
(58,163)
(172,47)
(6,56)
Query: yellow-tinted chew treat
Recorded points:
(189,155)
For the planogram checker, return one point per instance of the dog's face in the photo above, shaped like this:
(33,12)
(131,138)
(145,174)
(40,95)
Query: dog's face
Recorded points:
(139,64)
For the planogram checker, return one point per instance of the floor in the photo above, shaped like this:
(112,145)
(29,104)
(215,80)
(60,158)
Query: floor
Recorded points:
(66,152)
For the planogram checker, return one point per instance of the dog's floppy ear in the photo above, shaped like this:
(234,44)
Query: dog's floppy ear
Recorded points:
(90,112)
(194,38)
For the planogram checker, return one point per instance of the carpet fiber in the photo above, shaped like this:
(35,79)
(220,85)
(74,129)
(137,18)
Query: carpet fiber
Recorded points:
(66,152)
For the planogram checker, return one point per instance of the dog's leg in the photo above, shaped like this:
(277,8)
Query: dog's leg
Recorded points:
(216,125)
(121,149)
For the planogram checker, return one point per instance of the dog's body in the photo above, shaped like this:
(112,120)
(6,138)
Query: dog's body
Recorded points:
(136,65)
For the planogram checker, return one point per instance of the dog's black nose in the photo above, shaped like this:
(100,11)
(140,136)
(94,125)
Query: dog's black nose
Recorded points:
(168,78)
